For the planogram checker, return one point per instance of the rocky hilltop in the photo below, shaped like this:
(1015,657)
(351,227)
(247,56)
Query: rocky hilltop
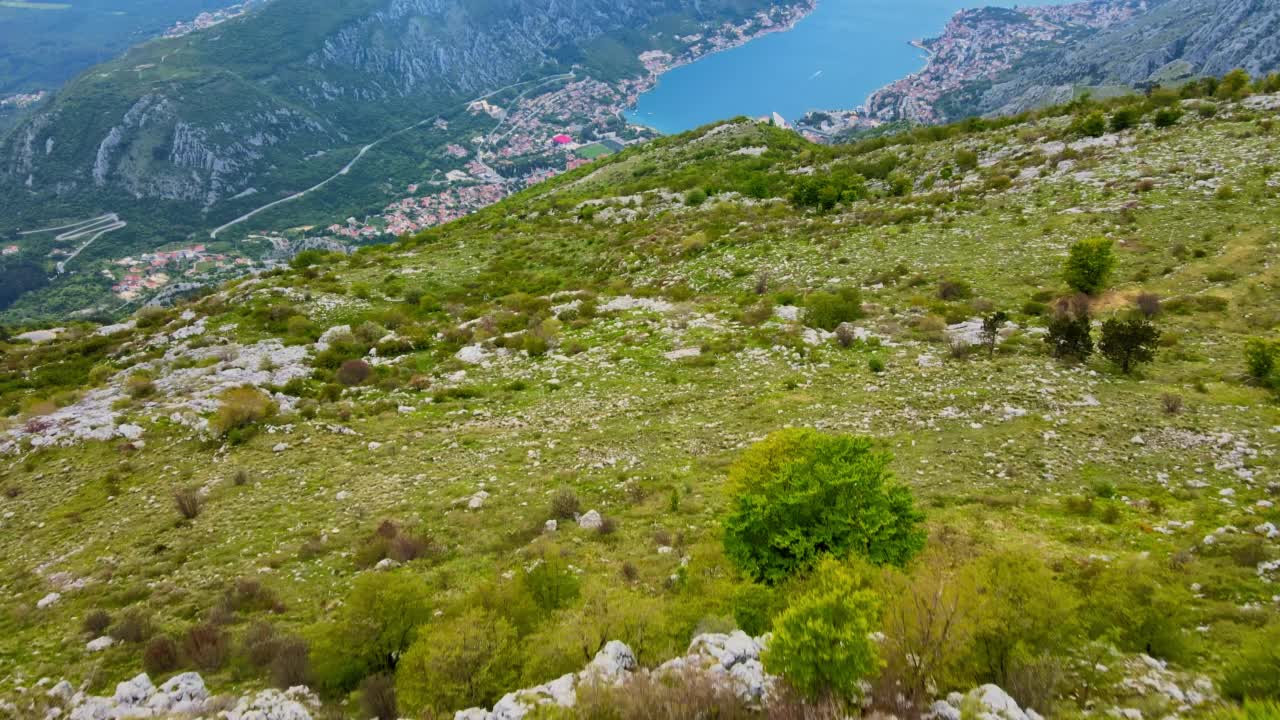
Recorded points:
(987,406)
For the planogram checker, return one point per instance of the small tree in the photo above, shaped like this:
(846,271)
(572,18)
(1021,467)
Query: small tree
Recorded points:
(353,372)
(378,623)
(1234,85)
(1089,265)
(822,643)
(1129,342)
(1022,610)
(991,325)
(827,309)
(1092,125)
(1261,359)
(1069,330)
(800,494)
(466,661)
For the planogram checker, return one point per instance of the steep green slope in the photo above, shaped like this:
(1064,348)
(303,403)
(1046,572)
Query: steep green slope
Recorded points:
(624,332)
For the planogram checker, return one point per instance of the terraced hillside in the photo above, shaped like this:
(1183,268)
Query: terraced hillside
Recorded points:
(509,436)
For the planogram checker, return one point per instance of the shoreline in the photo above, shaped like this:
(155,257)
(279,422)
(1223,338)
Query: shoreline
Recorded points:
(799,11)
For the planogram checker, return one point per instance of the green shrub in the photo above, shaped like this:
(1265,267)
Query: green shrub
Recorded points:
(241,407)
(565,504)
(1261,359)
(551,583)
(373,629)
(827,309)
(1264,710)
(1143,608)
(1090,263)
(1254,672)
(822,643)
(466,661)
(1129,341)
(800,494)
(954,290)
(1091,125)
(1022,611)
(1124,118)
(754,607)
(1070,331)
(1166,117)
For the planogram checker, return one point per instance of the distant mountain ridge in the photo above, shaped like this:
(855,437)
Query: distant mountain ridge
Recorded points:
(205,118)
(1002,62)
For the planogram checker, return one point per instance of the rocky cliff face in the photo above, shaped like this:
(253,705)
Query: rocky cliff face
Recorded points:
(1005,61)
(1175,39)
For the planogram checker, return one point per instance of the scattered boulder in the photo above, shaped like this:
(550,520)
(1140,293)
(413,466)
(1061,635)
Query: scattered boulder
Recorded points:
(100,643)
(590,520)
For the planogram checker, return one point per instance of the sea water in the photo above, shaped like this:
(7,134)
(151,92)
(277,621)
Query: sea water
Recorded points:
(832,59)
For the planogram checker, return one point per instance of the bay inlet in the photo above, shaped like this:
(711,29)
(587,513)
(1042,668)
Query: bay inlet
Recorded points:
(832,59)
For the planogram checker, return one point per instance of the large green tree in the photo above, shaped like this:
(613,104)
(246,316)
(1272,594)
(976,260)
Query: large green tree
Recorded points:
(1090,263)
(800,494)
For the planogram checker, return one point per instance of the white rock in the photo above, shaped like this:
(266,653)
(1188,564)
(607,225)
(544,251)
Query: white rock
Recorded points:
(100,643)
(611,664)
(477,501)
(48,600)
(472,355)
(185,688)
(62,691)
(942,710)
(590,520)
(682,353)
(997,702)
(134,692)
(280,447)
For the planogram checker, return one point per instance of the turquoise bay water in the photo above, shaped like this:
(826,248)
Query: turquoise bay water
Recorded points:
(834,58)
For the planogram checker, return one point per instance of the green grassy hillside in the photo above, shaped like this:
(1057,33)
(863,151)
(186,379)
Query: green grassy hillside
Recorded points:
(613,340)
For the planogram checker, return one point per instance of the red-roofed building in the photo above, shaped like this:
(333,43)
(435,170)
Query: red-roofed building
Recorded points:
(562,139)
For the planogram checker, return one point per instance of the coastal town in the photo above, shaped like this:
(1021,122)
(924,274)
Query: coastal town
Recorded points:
(209,19)
(541,135)
(133,277)
(980,45)
(20,101)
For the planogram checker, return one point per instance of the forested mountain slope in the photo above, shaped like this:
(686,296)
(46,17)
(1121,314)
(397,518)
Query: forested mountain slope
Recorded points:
(271,101)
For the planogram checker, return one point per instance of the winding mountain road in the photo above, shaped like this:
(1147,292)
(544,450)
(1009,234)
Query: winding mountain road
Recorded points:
(93,228)
(347,168)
